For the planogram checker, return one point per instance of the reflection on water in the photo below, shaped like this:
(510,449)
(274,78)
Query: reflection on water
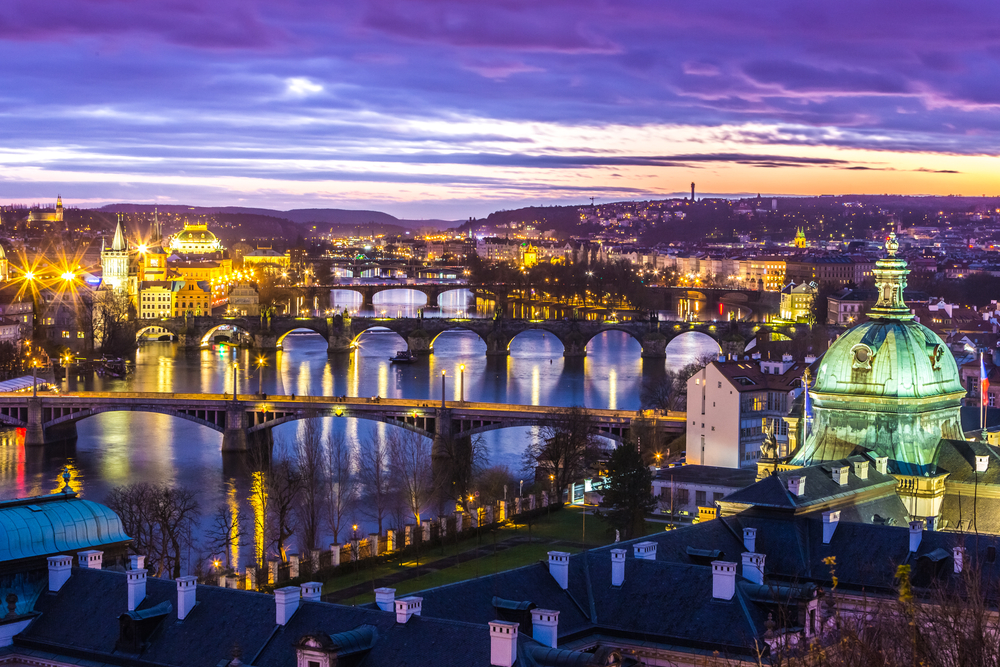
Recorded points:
(404,302)
(123,447)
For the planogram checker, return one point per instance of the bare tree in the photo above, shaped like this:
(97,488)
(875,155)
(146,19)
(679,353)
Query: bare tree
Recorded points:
(225,532)
(410,460)
(114,321)
(284,488)
(162,518)
(565,450)
(311,461)
(376,483)
(342,487)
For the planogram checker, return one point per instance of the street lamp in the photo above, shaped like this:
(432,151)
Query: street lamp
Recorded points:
(261,362)
(236,375)
(442,389)
(461,383)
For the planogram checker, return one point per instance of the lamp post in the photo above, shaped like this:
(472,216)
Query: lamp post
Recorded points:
(442,389)
(67,361)
(34,378)
(261,362)
(236,375)
(461,383)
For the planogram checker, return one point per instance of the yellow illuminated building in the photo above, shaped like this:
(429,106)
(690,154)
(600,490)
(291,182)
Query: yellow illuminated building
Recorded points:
(193,298)
(195,239)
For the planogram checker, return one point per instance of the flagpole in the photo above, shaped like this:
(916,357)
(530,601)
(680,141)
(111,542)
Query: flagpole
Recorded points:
(982,392)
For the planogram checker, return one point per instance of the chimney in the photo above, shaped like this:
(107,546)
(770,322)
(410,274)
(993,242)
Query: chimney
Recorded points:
(645,550)
(90,560)
(407,607)
(312,591)
(861,469)
(830,521)
(750,539)
(60,567)
(136,580)
(503,644)
(545,626)
(559,568)
(796,485)
(617,567)
(916,532)
(136,562)
(286,601)
(186,597)
(840,474)
(882,464)
(723,580)
(982,462)
(958,555)
(753,567)
(810,358)
(385,598)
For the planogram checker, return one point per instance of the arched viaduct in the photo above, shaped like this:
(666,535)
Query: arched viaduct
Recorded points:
(342,332)
(250,418)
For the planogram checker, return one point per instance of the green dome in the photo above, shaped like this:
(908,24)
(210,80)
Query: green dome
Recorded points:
(888,385)
(888,359)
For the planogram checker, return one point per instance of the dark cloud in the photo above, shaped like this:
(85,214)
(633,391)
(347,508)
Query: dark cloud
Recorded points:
(156,83)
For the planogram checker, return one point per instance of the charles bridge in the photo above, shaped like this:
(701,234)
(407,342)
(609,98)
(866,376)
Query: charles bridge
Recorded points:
(342,331)
(247,419)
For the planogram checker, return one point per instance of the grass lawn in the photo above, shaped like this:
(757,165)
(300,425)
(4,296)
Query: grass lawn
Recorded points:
(565,525)
(523,554)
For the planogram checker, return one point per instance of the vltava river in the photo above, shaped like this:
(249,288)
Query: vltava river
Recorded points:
(122,447)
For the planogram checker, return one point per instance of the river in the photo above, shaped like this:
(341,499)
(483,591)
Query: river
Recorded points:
(122,447)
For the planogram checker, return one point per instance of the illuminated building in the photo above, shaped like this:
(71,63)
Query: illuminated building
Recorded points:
(4,266)
(156,298)
(797,301)
(267,260)
(48,215)
(529,255)
(195,239)
(115,261)
(800,238)
(243,300)
(193,298)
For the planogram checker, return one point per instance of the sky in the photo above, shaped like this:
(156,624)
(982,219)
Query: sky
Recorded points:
(450,109)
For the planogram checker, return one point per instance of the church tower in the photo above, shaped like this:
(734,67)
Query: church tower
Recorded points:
(114,260)
(59,209)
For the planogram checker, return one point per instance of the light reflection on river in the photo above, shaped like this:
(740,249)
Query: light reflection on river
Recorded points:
(122,447)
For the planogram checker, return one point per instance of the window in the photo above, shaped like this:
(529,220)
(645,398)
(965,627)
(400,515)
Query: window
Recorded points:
(65,334)
(716,497)
(683,497)
(80,334)
(699,498)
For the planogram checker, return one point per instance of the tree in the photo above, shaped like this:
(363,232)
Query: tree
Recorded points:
(114,321)
(311,464)
(342,486)
(662,393)
(284,488)
(565,450)
(628,495)
(225,533)
(376,483)
(160,520)
(410,460)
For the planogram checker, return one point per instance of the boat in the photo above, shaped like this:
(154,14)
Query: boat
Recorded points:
(403,357)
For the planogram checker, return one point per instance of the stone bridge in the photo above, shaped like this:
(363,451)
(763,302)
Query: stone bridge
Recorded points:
(342,332)
(431,290)
(250,417)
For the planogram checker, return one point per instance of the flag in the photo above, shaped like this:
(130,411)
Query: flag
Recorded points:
(984,382)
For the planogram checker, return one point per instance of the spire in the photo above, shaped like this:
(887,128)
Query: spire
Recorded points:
(156,225)
(890,279)
(119,242)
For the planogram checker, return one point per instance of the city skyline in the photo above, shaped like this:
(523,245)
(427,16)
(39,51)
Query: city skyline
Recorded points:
(443,110)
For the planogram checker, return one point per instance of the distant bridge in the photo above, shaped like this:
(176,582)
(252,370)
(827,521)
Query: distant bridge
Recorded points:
(342,332)
(250,417)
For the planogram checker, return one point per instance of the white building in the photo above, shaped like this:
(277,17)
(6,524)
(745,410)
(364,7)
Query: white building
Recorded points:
(729,404)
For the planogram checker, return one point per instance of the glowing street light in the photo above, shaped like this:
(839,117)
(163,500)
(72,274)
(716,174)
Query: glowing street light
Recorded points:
(68,276)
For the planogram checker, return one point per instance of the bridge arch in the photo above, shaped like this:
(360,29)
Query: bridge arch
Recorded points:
(692,345)
(210,335)
(611,327)
(310,329)
(376,327)
(456,327)
(420,424)
(389,291)
(157,330)
(213,419)
(537,329)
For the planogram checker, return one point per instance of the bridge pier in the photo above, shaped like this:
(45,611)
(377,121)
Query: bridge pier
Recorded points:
(35,433)
(234,437)
(419,342)
(265,341)
(339,342)
(654,346)
(497,344)
(574,346)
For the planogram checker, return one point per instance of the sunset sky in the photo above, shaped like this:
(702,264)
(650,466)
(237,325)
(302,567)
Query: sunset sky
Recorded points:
(440,108)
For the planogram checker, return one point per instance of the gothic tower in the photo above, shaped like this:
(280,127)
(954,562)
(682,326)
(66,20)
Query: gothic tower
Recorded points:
(114,260)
